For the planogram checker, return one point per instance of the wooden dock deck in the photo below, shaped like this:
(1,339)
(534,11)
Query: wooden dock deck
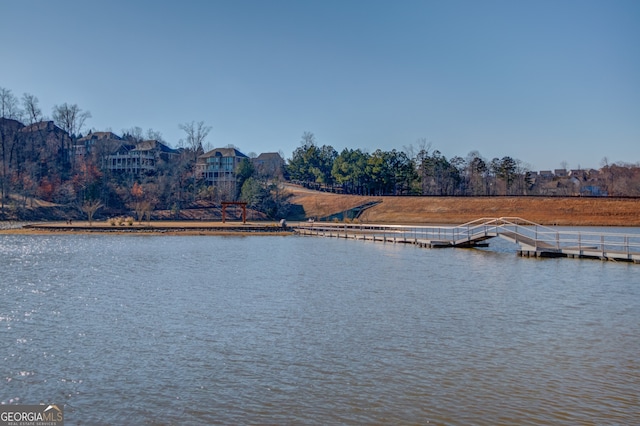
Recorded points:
(533,240)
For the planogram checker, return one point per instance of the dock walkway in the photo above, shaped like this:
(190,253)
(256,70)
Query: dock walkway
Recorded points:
(532,239)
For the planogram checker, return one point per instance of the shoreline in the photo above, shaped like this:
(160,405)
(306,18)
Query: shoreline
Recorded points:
(195,228)
(387,210)
(148,228)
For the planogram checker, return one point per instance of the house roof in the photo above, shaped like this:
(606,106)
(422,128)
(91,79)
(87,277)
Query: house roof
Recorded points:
(269,156)
(154,145)
(42,125)
(100,136)
(223,152)
(150,145)
(11,123)
(124,147)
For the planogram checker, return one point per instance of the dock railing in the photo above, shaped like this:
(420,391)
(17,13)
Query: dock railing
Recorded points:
(521,231)
(582,241)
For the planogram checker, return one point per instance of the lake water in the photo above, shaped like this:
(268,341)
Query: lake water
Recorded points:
(303,330)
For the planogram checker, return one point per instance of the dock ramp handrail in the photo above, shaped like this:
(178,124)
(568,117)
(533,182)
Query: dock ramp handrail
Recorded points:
(526,234)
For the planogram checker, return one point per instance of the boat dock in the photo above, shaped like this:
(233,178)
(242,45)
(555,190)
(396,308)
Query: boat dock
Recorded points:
(532,239)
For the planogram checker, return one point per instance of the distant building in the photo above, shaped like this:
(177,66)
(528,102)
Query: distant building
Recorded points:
(219,166)
(51,139)
(593,173)
(560,172)
(42,126)
(86,145)
(138,158)
(531,177)
(269,164)
(593,191)
(47,132)
(580,174)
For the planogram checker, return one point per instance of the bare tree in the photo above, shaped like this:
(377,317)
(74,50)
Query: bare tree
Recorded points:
(308,139)
(8,137)
(196,135)
(134,133)
(154,135)
(31,109)
(90,208)
(195,141)
(70,118)
(9,146)
(148,206)
(9,105)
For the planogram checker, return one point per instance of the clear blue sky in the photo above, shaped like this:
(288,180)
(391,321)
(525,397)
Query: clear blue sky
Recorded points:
(540,81)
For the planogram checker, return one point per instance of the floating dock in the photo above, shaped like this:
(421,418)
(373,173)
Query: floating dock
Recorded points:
(532,239)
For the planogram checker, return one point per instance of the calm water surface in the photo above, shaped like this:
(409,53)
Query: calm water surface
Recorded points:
(295,330)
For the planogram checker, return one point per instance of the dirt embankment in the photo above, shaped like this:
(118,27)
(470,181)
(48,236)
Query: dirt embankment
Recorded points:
(457,210)
(401,210)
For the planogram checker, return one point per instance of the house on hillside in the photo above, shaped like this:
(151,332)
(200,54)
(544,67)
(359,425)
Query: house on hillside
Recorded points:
(87,145)
(46,131)
(546,175)
(269,164)
(218,167)
(138,158)
(579,174)
(45,137)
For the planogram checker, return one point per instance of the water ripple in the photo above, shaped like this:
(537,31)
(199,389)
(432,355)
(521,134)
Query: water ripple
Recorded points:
(286,330)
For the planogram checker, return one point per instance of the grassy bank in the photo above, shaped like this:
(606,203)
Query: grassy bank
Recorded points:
(576,211)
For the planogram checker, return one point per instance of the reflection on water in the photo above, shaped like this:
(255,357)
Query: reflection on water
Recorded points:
(206,330)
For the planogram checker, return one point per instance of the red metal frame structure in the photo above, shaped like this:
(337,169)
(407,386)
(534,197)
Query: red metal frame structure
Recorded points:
(234,203)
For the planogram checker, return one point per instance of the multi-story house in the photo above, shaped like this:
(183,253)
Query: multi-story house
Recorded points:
(86,145)
(269,164)
(218,166)
(138,158)
(46,135)
(45,145)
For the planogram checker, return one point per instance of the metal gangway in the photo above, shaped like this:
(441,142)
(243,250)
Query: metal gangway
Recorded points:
(532,239)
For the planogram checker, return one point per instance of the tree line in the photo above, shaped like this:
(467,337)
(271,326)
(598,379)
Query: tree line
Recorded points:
(422,170)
